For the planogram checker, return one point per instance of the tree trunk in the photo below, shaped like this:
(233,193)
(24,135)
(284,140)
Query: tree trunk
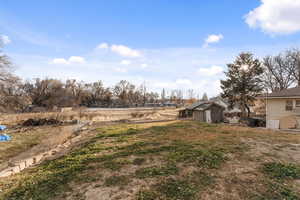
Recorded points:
(243,110)
(248,110)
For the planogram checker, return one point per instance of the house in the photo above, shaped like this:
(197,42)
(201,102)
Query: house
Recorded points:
(283,109)
(205,111)
(209,112)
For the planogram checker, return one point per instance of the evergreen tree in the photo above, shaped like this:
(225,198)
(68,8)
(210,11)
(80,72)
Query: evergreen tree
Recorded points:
(243,82)
(204,97)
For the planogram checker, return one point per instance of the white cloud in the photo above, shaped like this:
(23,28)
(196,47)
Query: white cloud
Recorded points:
(71,60)
(212,71)
(122,50)
(103,46)
(119,69)
(125,62)
(276,16)
(125,51)
(76,60)
(213,39)
(5,39)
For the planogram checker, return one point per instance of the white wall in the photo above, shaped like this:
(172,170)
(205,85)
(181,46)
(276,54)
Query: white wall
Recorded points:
(276,110)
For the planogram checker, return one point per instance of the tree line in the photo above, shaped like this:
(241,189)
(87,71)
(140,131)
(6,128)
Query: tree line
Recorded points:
(17,95)
(248,77)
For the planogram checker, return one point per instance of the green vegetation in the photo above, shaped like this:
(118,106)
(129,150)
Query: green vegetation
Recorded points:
(147,195)
(115,165)
(185,188)
(282,171)
(206,158)
(177,189)
(156,171)
(278,191)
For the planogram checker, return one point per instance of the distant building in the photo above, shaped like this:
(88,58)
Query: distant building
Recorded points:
(205,111)
(229,115)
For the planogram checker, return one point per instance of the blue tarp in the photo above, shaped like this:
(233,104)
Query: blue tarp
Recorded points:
(4,137)
(2,127)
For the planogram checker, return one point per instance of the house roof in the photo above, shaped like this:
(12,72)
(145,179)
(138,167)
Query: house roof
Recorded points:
(291,92)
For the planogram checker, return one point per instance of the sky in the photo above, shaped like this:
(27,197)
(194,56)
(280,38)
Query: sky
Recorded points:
(171,44)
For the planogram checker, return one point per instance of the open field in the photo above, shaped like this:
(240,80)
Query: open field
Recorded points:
(96,115)
(169,160)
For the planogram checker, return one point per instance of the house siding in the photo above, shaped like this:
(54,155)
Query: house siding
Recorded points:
(276,109)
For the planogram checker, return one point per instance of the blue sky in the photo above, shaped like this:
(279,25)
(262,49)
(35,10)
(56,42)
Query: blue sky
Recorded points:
(168,44)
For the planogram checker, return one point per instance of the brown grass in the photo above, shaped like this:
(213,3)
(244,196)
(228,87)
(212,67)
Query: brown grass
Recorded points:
(172,166)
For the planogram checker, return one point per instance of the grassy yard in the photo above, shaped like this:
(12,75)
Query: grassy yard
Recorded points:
(173,161)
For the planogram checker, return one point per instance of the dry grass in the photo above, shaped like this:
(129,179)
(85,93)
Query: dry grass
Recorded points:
(22,140)
(27,142)
(104,115)
(178,160)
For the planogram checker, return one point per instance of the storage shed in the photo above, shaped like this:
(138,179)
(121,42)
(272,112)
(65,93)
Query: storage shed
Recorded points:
(188,112)
(209,112)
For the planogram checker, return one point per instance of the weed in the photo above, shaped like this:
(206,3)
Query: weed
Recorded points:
(177,189)
(159,129)
(201,179)
(115,165)
(128,132)
(147,195)
(156,171)
(116,181)
(202,157)
(282,171)
(278,191)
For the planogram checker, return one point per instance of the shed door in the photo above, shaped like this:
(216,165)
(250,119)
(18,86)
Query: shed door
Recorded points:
(208,116)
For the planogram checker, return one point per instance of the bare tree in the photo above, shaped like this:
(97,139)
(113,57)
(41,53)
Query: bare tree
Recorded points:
(280,71)
(294,56)
(12,96)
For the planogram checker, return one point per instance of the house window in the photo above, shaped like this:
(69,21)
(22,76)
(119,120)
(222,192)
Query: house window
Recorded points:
(297,103)
(289,105)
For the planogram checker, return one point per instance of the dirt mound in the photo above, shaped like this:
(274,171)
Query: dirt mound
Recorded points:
(41,122)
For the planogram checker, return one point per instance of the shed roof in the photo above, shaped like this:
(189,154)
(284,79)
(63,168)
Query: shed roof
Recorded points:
(203,105)
(195,105)
(207,105)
